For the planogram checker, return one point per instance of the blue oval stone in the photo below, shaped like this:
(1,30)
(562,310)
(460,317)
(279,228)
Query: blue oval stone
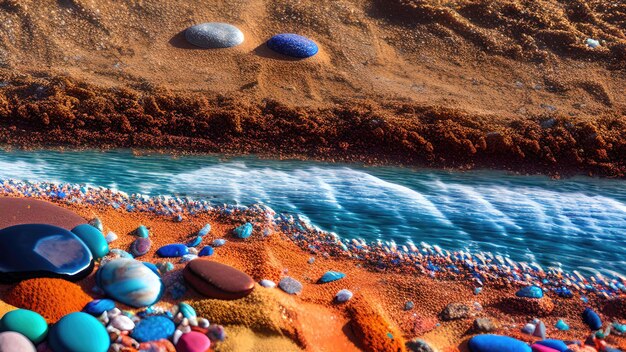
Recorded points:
(214,35)
(243,231)
(206,251)
(153,328)
(130,282)
(99,306)
(293,45)
(173,250)
(219,242)
(530,292)
(497,343)
(36,250)
(331,276)
(592,319)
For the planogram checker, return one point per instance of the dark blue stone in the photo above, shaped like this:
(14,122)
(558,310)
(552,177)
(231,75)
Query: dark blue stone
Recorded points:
(153,328)
(331,276)
(206,251)
(173,250)
(35,250)
(592,319)
(99,306)
(497,343)
(530,292)
(293,45)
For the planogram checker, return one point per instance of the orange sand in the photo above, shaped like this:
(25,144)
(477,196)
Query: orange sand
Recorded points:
(311,320)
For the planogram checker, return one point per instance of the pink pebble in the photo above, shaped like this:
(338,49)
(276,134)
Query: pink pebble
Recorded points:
(542,348)
(193,342)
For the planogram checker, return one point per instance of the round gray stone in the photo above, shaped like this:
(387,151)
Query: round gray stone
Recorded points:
(214,35)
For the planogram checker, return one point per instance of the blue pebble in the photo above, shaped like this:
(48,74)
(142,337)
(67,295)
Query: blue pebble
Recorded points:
(206,251)
(205,230)
(153,328)
(196,241)
(562,325)
(592,319)
(99,306)
(497,343)
(243,231)
(331,276)
(219,242)
(554,344)
(621,328)
(173,250)
(530,292)
(293,45)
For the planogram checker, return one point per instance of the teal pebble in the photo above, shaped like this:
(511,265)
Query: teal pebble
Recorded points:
(142,231)
(121,253)
(70,334)
(165,267)
(331,276)
(561,325)
(243,231)
(187,310)
(93,238)
(26,322)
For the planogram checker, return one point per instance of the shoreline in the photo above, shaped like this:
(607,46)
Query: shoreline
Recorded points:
(59,112)
(286,250)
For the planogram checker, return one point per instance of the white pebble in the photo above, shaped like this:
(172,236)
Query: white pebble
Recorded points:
(113,330)
(176,337)
(104,318)
(113,313)
(343,296)
(592,43)
(203,323)
(122,322)
(267,283)
(110,237)
(193,250)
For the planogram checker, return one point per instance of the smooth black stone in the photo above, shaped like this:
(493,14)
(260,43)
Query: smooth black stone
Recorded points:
(36,250)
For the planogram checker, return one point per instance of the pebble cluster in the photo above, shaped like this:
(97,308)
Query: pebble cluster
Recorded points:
(125,279)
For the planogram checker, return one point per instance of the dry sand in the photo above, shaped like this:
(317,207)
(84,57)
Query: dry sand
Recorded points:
(311,320)
(507,84)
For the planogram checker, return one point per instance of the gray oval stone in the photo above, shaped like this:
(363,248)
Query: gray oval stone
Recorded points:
(214,35)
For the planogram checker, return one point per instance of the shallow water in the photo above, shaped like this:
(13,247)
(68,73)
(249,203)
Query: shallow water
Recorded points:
(578,223)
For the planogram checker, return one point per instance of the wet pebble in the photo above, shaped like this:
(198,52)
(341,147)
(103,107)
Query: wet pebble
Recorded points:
(70,332)
(530,292)
(195,241)
(497,343)
(188,257)
(130,282)
(409,305)
(142,231)
(561,325)
(28,323)
(205,230)
(592,319)
(219,242)
(540,330)
(110,237)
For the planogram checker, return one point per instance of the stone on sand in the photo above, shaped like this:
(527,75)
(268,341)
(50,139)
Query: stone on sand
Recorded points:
(214,35)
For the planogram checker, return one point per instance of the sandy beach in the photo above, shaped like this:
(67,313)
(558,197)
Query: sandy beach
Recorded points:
(375,319)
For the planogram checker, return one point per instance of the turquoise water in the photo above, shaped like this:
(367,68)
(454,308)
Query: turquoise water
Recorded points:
(577,223)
